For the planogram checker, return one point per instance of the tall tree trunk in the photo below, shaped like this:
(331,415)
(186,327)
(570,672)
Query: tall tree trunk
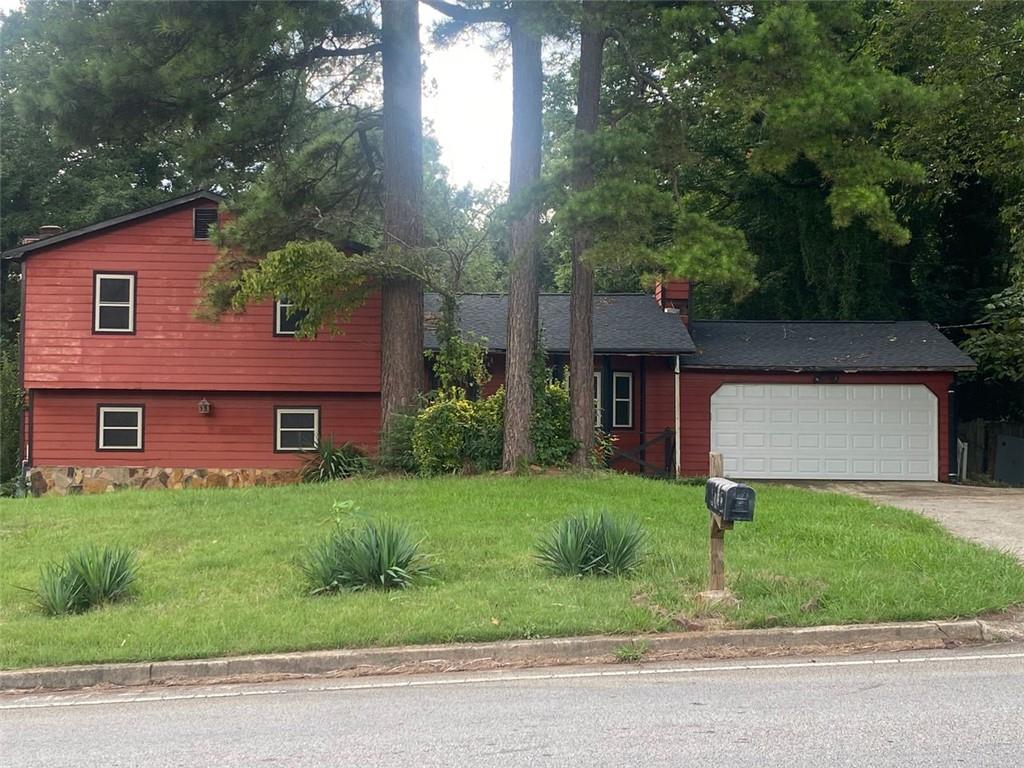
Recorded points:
(402,297)
(581,299)
(527,79)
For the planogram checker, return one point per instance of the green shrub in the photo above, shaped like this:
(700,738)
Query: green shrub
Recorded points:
(593,544)
(439,437)
(86,579)
(395,452)
(486,435)
(334,462)
(376,555)
(550,428)
(454,433)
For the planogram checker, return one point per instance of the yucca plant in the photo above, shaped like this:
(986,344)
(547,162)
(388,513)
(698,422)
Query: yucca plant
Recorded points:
(376,555)
(592,544)
(334,462)
(87,578)
(59,593)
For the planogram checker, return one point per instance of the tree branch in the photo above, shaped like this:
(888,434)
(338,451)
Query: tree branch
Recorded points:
(470,15)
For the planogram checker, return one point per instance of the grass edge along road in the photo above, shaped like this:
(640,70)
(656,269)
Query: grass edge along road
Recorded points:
(218,574)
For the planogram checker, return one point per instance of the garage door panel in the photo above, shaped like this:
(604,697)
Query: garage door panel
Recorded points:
(834,431)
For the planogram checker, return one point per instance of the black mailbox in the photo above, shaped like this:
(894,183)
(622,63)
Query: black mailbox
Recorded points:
(729,500)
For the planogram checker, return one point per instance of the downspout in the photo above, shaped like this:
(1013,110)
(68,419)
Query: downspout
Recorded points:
(677,419)
(25,408)
(953,416)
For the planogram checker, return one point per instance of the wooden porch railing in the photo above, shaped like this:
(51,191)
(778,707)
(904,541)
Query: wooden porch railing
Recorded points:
(638,455)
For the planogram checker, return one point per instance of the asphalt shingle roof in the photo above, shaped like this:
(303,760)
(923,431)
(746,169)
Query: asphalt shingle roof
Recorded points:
(828,346)
(625,323)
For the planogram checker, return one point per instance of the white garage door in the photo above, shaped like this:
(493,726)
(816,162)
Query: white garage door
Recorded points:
(830,431)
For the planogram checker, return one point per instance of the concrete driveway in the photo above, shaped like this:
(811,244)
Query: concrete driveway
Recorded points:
(991,516)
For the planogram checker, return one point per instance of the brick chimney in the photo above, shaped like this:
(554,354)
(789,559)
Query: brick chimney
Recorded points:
(45,231)
(673,294)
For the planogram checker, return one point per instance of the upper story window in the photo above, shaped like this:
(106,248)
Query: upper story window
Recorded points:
(622,400)
(296,429)
(287,317)
(113,302)
(119,428)
(202,220)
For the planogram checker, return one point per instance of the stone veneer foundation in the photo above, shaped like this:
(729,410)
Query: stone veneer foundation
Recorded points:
(63,481)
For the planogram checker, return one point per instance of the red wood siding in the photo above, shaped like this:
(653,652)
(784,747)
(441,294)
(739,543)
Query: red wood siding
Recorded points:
(170,349)
(699,386)
(238,433)
(661,413)
(496,367)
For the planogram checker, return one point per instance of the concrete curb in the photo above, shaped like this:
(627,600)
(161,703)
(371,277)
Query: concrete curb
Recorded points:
(515,652)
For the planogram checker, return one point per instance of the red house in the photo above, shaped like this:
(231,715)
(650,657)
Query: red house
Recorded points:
(125,387)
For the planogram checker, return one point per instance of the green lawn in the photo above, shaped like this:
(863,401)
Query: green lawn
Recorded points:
(218,577)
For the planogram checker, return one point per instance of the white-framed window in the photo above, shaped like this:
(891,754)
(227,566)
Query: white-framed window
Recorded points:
(597,398)
(113,300)
(296,429)
(622,399)
(287,317)
(119,428)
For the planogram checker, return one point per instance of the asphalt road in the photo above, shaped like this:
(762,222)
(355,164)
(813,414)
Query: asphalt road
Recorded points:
(926,709)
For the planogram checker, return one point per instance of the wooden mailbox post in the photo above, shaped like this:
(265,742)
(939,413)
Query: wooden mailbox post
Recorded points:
(727,502)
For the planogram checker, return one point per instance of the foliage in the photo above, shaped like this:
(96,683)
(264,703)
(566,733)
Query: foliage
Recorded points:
(459,362)
(604,444)
(375,555)
(335,462)
(454,433)
(483,442)
(637,222)
(86,579)
(593,544)
(439,439)
(549,426)
(326,284)
(998,348)
(10,414)
(395,452)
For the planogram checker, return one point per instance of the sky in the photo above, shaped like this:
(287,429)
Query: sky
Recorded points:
(467,101)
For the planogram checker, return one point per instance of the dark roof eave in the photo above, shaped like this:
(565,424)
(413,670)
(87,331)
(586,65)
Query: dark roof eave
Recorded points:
(46,242)
(597,351)
(834,368)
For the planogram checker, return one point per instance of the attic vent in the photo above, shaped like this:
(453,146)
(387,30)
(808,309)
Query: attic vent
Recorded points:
(201,221)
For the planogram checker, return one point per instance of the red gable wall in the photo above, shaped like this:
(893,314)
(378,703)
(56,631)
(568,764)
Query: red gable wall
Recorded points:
(172,350)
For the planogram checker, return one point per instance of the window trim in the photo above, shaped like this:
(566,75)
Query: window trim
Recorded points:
(598,403)
(277,319)
(217,221)
(616,375)
(97,275)
(279,409)
(140,408)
